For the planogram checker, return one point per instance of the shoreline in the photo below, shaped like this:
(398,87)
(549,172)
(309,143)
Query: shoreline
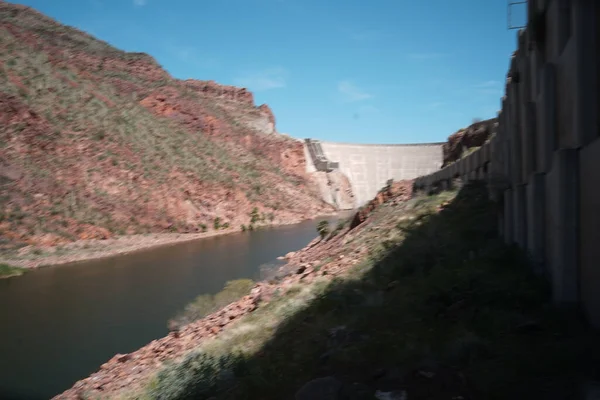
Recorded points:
(317,260)
(82,251)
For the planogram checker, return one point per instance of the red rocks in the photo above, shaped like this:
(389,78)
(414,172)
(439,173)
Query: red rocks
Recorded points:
(265,109)
(399,191)
(213,89)
(473,136)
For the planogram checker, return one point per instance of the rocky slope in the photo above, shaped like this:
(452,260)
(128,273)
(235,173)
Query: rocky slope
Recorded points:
(318,259)
(461,141)
(96,142)
(420,300)
(327,258)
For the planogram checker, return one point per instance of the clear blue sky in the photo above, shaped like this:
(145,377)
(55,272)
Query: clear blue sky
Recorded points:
(388,71)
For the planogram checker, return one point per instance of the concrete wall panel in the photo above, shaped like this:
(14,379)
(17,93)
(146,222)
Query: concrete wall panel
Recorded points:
(565,82)
(585,64)
(536,200)
(519,217)
(514,135)
(546,139)
(562,193)
(477,159)
(589,219)
(509,236)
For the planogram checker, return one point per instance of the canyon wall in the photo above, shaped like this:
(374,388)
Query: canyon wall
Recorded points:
(543,163)
(98,142)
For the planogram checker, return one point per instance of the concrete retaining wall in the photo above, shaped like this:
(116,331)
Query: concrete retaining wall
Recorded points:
(543,164)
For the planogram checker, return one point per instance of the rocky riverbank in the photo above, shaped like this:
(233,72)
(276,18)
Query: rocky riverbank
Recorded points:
(419,300)
(32,257)
(320,259)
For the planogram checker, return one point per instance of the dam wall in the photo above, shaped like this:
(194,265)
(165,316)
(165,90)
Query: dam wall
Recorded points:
(543,164)
(368,167)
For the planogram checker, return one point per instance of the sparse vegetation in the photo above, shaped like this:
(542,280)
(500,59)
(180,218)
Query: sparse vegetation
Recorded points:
(94,125)
(440,297)
(206,304)
(198,376)
(339,227)
(323,228)
(7,271)
(254,216)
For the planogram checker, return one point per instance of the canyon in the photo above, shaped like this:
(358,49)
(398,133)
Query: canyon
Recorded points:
(97,143)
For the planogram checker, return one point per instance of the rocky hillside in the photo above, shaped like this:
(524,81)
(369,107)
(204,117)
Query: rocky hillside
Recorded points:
(95,142)
(475,135)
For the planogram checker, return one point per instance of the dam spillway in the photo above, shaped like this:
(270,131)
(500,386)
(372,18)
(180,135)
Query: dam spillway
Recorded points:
(368,167)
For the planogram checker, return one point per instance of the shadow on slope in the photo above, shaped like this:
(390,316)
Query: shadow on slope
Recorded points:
(448,312)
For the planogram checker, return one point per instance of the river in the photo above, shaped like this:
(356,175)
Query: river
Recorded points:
(59,324)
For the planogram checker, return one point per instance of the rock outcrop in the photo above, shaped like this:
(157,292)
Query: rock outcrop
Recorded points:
(398,192)
(473,136)
(215,90)
(335,189)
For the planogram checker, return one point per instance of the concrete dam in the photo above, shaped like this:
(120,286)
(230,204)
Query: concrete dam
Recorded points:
(368,167)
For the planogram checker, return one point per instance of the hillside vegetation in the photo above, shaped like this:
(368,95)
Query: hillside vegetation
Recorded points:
(96,142)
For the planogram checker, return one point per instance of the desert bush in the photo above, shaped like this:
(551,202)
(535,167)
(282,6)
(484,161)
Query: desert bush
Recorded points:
(254,216)
(206,303)
(323,228)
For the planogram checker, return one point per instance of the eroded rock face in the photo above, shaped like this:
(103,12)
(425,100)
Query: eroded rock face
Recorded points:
(335,189)
(473,136)
(213,89)
(398,191)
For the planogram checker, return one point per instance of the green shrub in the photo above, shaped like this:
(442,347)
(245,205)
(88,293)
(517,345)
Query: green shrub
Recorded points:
(203,227)
(254,216)
(323,228)
(206,303)
(217,223)
(8,270)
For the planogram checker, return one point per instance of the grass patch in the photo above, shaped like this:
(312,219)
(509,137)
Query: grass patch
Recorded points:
(8,271)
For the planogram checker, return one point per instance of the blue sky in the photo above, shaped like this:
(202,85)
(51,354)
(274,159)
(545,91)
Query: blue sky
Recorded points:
(365,71)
